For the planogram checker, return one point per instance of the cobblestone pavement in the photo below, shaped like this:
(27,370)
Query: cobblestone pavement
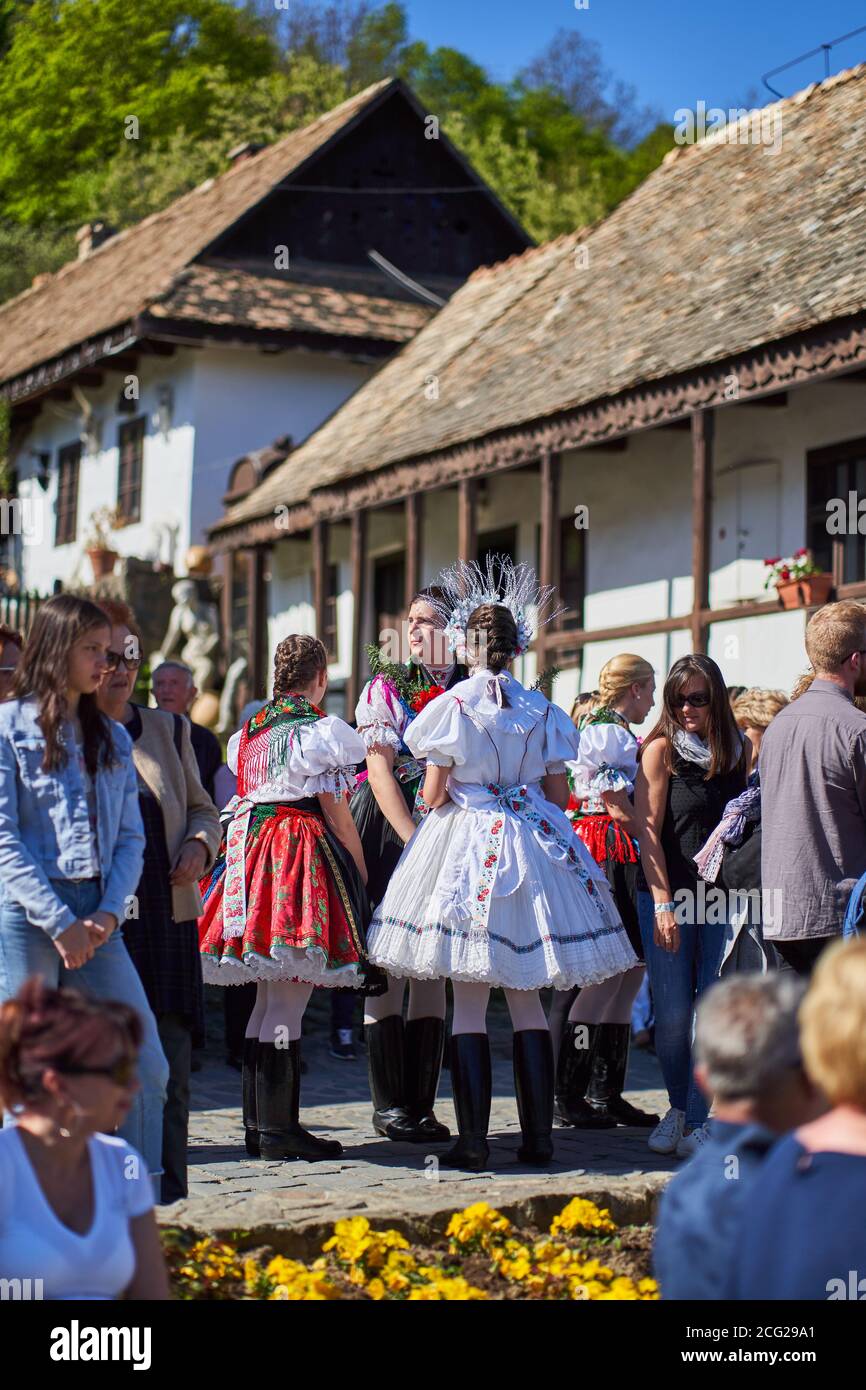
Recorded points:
(379,1176)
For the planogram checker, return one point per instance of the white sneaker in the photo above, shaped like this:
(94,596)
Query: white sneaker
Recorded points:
(690,1143)
(668,1132)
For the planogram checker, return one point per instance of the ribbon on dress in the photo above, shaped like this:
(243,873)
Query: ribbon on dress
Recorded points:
(407,771)
(484,858)
(235,879)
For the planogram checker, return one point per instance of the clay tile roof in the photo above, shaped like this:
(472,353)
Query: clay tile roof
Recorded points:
(131,270)
(724,247)
(219,295)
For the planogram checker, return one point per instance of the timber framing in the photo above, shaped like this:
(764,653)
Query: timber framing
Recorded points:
(819,354)
(161,337)
(184,333)
(85,355)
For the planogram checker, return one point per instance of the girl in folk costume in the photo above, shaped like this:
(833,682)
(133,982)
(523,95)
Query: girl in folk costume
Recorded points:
(494,888)
(285,904)
(593,1054)
(404,1059)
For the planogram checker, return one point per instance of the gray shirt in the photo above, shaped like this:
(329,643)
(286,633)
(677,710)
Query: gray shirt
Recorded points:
(813,813)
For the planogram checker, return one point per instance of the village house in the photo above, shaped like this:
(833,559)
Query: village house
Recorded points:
(244,313)
(645,410)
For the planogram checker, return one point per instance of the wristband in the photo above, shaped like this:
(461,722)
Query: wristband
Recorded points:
(664,907)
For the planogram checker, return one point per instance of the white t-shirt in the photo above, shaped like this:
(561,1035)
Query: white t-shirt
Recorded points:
(34,1243)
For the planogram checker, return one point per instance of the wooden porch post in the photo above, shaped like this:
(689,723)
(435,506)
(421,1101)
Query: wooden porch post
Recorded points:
(319,538)
(256,622)
(226,599)
(550,548)
(467,519)
(358,554)
(703,429)
(414,511)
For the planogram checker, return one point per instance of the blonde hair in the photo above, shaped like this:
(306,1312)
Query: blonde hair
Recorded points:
(756,708)
(834,632)
(618,675)
(584,704)
(833,1024)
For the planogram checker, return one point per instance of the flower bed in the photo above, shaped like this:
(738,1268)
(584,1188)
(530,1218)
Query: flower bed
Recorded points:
(481,1256)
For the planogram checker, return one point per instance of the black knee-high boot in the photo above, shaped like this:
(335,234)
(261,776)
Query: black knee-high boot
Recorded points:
(609,1065)
(472,1088)
(278,1093)
(573,1074)
(248,1096)
(533,1088)
(386,1069)
(424,1040)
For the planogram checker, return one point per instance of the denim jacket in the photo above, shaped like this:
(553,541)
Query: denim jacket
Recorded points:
(45,824)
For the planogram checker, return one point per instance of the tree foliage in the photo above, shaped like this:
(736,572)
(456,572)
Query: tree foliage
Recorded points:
(77,72)
(561,144)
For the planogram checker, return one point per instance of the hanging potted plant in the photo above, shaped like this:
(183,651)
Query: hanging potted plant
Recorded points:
(798,580)
(100,553)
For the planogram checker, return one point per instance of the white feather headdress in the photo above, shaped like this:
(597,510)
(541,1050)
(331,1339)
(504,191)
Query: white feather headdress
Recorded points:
(465,585)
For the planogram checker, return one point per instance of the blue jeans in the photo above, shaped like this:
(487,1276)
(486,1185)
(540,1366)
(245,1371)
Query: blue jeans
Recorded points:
(642,1019)
(26,950)
(677,980)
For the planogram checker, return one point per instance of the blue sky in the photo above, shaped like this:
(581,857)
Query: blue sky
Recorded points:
(675,54)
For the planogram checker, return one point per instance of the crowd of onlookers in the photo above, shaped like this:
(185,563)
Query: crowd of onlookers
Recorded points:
(749,811)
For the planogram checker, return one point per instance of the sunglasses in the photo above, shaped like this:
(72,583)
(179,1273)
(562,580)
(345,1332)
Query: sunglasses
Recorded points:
(121,1073)
(114,659)
(696,701)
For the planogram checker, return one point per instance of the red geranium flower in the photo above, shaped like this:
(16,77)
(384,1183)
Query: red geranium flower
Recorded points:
(425,696)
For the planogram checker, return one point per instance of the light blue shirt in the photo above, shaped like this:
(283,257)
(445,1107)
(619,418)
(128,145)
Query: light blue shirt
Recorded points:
(45,823)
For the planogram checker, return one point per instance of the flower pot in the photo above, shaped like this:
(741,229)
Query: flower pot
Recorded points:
(102,562)
(809,592)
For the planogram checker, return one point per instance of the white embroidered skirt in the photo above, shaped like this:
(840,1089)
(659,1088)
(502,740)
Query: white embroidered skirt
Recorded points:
(551,926)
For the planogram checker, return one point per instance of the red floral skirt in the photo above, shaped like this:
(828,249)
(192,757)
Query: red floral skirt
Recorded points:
(302,918)
(605,839)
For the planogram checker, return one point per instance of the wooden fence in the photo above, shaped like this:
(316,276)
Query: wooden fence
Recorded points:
(19,610)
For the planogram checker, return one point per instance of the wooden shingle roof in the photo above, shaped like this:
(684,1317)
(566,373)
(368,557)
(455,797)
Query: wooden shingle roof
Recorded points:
(724,247)
(131,270)
(221,295)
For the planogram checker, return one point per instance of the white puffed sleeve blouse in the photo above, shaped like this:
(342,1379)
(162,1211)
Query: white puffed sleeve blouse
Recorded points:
(380,715)
(322,758)
(606,761)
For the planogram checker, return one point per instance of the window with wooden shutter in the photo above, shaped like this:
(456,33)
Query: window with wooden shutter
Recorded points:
(833,474)
(572,573)
(130,448)
(66,507)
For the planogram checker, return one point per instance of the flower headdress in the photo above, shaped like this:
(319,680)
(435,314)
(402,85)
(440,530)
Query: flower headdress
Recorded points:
(466,585)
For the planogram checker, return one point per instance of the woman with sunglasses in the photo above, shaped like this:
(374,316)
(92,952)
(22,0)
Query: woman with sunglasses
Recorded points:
(182,835)
(690,766)
(76,1206)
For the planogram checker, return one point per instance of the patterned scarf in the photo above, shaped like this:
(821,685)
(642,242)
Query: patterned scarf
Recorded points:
(730,830)
(692,748)
(268,737)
